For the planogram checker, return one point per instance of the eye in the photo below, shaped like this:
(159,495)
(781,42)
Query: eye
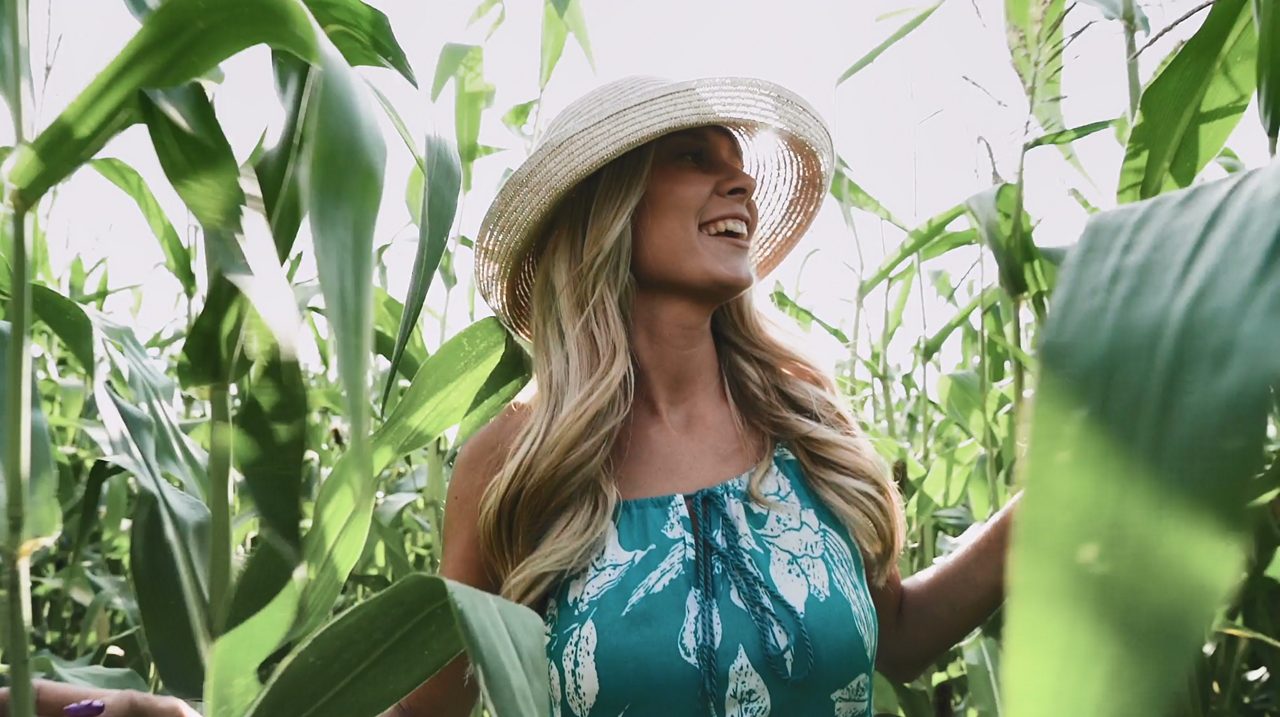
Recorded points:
(697,155)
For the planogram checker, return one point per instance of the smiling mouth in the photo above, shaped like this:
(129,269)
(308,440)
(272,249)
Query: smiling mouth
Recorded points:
(731,235)
(739,240)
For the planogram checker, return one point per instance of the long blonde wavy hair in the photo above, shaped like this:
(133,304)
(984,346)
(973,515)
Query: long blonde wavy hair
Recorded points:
(546,511)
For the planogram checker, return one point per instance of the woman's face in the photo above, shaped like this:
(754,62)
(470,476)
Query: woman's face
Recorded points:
(678,246)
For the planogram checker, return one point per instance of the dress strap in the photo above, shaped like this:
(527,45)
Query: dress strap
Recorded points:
(711,512)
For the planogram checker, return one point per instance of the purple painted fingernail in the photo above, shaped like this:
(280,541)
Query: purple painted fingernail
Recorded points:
(85,708)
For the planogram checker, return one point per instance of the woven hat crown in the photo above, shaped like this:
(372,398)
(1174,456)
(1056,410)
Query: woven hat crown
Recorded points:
(786,148)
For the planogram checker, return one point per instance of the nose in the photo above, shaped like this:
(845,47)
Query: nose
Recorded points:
(738,184)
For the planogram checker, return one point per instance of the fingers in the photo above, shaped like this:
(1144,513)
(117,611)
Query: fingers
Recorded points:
(129,703)
(85,708)
(58,699)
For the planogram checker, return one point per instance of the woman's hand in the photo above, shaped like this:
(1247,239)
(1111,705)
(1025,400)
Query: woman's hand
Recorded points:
(54,698)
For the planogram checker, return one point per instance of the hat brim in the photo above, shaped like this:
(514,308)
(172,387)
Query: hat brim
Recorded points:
(786,148)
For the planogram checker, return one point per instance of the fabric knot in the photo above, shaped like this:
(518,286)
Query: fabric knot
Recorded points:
(711,514)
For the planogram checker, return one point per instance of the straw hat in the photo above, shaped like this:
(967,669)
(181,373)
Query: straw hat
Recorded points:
(786,147)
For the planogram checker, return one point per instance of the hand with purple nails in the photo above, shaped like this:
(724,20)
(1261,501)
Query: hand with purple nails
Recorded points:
(85,708)
(59,699)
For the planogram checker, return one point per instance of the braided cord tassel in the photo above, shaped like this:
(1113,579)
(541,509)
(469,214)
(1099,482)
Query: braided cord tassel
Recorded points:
(706,649)
(762,613)
(709,512)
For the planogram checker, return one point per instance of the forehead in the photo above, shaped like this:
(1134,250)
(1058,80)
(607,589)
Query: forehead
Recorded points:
(709,134)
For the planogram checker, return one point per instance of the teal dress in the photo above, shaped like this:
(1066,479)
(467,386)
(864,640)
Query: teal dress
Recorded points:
(763,610)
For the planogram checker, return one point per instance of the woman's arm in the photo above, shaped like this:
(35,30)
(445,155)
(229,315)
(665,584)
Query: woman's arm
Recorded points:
(929,612)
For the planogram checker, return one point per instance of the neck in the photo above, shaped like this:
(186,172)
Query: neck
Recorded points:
(678,375)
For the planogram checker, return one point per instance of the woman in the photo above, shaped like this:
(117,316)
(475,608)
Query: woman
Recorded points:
(685,500)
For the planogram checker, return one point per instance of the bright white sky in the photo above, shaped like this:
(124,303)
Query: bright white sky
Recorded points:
(910,125)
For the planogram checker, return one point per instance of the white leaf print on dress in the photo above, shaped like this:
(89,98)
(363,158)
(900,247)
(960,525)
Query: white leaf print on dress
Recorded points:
(689,629)
(580,682)
(738,516)
(668,570)
(746,695)
(853,699)
(604,571)
(553,673)
(672,564)
(793,535)
(845,575)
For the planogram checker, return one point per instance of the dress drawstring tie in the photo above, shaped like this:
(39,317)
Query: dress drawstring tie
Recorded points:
(711,513)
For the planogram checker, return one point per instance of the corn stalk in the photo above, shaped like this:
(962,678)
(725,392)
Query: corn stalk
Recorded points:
(16,557)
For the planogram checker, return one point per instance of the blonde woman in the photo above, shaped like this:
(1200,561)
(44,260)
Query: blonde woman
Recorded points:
(685,499)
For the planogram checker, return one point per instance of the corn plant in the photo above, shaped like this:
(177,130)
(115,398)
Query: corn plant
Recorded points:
(199,513)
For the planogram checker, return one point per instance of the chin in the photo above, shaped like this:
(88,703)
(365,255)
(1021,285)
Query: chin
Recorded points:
(732,286)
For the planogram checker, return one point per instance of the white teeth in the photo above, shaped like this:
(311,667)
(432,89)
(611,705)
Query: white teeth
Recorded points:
(723,225)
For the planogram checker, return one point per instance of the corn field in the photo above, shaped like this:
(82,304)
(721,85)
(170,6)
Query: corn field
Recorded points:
(198,512)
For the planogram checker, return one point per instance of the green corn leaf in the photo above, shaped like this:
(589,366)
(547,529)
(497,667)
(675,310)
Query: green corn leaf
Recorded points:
(438,203)
(982,666)
(233,682)
(369,657)
(82,672)
(904,30)
(803,316)
(154,395)
(916,240)
(402,128)
(446,387)
(464,64)
(195,154)
(449,64)
(154,570)
(176,255)
(979,303)
(170,543)
(209,353)
(554,32)
(388,315)
(341,175)
(516,119)
(1037,45)
(1152,401)
(850,194)
(1023,268)
(559,18)
(15,67)
(1266,17)
(483,9)
(42,518)
(342,188)
(362,34)
(178,41)
(278,167)
(1069,135)
(1190,108)
(270,439)
(267,571)
(1114,10)
(511,374)
(68,320)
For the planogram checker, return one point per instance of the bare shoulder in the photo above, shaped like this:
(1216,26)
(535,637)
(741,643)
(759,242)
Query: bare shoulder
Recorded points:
(484,452)
(477,463)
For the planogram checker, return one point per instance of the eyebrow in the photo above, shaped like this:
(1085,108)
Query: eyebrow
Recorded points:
(703,134)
